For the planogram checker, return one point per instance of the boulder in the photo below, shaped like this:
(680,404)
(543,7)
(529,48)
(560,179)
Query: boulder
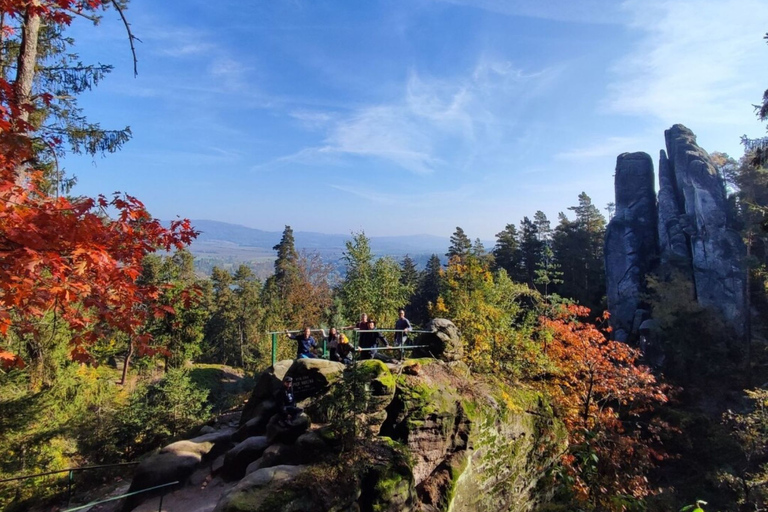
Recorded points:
(278,454)
(312,377)
(280,430)
(630,240)
(267,385)
(206,446)
(159,469)
(443,341)
(257,425)
(238,458)
(251,493)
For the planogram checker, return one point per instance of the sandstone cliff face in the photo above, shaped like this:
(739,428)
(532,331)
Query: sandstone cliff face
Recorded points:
(716,253)
(684,229)
(630,242)
(422,435)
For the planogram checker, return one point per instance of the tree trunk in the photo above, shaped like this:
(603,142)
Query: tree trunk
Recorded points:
(25,66)
(127,363)
(25,74)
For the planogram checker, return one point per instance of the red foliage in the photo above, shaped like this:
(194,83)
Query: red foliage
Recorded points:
(605,399)
(68,257)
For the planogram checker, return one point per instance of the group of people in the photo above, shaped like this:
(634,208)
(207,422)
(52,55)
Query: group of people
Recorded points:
(339,348)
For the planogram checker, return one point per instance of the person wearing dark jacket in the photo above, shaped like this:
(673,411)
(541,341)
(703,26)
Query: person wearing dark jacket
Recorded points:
(369,339)
(287,402)
(304,344)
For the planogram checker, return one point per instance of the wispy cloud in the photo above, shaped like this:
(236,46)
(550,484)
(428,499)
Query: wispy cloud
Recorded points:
(696,59)
(611,146)
(435,123)
(415,199)
(582,11)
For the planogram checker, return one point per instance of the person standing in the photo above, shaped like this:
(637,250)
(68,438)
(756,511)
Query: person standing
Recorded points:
(402,326)
(304,344)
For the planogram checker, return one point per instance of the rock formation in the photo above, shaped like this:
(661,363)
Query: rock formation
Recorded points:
(422,435)
(630,241)
(690,231)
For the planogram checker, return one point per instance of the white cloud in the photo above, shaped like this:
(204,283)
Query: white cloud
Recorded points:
(697,62)
(611,146)
(581,11)
(436,123)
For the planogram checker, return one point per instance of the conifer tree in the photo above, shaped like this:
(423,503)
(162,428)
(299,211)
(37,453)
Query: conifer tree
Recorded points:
(507,250)
(460,245)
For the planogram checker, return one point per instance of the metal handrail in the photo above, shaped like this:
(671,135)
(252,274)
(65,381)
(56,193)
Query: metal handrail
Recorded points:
(70,477)
(83,468)
(93,503)
(357,332)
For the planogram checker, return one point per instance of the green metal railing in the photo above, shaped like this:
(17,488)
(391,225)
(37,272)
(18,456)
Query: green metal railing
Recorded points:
(401,348)
(70,477)
(94,503)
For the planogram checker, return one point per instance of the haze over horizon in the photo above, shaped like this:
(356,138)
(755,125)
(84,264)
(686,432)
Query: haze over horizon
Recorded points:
(409,117)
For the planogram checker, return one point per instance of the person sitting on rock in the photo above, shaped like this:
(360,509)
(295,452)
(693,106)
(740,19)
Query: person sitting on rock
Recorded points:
(305,343)
(372,340)
(344,350)
(287,402)
(332,340)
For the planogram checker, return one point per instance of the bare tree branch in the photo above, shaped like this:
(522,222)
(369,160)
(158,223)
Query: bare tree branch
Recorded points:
(131,37)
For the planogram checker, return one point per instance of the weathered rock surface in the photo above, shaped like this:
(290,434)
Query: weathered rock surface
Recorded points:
(423,441)
(443,342)
(689,234)
(253,493)
(716,252)
(630,240)
(238,458)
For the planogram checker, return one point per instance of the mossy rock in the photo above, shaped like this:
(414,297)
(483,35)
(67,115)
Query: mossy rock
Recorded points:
(377,375)
(264,490)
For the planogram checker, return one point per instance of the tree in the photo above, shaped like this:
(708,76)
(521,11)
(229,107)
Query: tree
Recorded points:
(530,250)
(606,401)
(427,291)
(507,251)
(61,257)
(460,244)
(543,227)
(486,306)
(762,110)
(578,249)
(357,288)
(47,78)
(547,271)
(179,334)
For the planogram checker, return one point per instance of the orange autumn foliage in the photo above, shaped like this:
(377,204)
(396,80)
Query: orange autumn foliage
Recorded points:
(606,399)
(79,259)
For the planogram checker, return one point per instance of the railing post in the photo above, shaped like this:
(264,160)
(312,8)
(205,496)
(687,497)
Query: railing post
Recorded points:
(274,348)
(355,347)
(160,507)
(69,486)
(325,348)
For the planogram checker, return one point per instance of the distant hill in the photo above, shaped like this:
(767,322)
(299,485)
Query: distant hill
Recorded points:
(229,245)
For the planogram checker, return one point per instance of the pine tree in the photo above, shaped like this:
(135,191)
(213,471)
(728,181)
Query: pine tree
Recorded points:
(507,250)
(460,245)
(543,227)
(427,291)
(530,250)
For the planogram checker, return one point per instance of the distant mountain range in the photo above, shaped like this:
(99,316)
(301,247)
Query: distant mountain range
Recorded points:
(229,245)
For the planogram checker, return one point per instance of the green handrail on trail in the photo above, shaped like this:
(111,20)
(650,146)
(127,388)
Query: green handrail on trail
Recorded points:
(70,477)
(94,503)
(357,332)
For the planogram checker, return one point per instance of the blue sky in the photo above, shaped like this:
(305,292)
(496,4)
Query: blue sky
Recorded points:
(409,116)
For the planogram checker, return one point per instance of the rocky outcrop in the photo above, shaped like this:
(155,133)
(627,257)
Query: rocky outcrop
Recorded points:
(443,341)
(689,234)
(423,435)
(716,253)
(630,240)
